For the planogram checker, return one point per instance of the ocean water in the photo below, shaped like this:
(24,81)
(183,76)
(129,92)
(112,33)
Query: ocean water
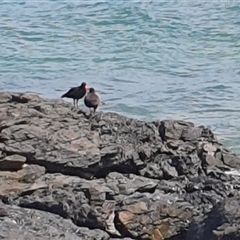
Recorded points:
(149,59)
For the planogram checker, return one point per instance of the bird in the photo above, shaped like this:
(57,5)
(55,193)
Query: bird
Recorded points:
(92,100)
(76,93)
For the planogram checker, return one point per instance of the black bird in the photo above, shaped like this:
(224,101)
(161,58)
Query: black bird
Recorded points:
(76,93)
(92,100)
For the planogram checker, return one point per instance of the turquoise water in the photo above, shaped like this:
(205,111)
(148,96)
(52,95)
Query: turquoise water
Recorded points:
(147,59)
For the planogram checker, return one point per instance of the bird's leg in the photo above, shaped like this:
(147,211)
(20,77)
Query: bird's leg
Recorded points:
(73,102)
(77,102)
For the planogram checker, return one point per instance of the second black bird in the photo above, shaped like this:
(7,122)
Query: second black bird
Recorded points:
(92,100)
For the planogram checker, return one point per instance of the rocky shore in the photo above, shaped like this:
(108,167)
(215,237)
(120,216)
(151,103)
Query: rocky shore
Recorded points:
(68,175)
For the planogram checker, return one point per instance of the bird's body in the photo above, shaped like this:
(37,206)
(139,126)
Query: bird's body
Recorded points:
(92,100)
(76,93)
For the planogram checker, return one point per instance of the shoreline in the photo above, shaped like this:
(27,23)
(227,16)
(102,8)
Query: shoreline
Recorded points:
(224,138)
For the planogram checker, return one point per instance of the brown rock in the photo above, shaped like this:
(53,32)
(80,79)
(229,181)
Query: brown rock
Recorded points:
(159,219)
(12,163)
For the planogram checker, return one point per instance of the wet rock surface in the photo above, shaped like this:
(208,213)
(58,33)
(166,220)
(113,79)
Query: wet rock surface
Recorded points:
(68,175)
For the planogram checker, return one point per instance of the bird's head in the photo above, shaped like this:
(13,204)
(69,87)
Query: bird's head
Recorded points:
(84,86)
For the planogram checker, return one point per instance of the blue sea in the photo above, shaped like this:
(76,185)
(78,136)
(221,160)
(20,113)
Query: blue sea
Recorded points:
(149,59)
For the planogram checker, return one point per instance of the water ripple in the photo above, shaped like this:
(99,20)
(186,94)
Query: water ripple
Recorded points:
(147,59)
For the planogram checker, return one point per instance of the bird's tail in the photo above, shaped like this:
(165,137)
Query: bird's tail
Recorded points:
(64,95)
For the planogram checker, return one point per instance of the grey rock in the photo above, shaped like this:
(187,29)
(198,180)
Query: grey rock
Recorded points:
(231,160)
(67,175)
(222,222)
(19,223)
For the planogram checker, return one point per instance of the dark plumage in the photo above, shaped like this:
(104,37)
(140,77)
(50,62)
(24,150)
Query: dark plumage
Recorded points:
(76,93)
(92,100)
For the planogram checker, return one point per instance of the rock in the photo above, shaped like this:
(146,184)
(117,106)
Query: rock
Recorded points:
(66,175)
(231,160)
(220,223)
(160,216)
(33,224)
(12,163)
(209,148)
(16,183)
(170,129)
(211,161)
